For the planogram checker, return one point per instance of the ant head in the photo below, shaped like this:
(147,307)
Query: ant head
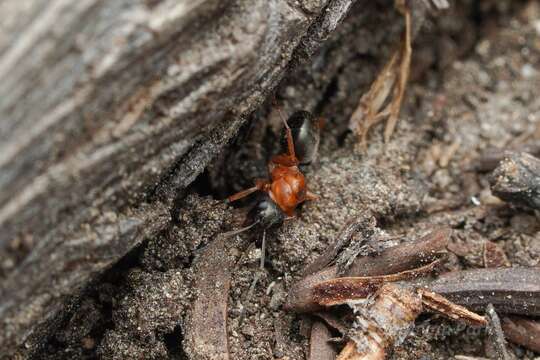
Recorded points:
(266,213)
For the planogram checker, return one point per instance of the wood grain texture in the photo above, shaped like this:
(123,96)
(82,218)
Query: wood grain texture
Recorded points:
(108,110)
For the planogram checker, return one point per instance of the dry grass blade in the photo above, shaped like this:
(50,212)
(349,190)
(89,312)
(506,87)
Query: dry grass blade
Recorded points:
(453,311)
(368,112)
(206,328)
(403,76)
(390,83)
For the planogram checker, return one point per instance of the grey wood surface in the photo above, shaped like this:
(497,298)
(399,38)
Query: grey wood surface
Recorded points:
(108,109)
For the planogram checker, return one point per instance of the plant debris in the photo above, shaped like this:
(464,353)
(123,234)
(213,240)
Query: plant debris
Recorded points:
(495,334)
(522,331)
(320,347)
(439,304)
(403,257)
(384,322)
(517,180)
(513,290)
(342,290)
(206,331)
(385,96)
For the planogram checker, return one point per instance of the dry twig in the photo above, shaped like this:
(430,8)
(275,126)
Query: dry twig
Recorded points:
(439,304)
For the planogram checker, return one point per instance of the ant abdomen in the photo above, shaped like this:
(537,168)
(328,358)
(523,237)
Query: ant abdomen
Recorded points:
(306,135)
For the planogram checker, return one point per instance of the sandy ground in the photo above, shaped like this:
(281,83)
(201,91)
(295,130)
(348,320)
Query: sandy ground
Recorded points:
(474,86)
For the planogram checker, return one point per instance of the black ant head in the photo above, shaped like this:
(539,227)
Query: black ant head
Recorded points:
(305,130)
(266,213)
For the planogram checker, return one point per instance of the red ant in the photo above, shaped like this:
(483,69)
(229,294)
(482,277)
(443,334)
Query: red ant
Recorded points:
(287,188)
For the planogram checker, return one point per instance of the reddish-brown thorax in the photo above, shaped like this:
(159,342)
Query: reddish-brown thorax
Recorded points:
(288,188)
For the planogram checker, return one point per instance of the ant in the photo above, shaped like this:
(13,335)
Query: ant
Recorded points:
(287,187)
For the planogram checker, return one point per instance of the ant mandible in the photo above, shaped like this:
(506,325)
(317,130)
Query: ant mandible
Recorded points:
(288,187)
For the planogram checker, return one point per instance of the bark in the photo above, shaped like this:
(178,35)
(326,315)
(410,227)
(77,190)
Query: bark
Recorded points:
(517,180)
(109,110)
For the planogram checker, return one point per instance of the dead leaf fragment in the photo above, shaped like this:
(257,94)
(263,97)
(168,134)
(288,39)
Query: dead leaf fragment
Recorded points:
(494,256)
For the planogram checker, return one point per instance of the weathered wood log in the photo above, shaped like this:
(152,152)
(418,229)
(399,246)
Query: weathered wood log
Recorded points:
(108,110)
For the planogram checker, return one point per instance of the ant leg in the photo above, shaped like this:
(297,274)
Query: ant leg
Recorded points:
(256,278)
(263,250)
(321,123)
(290,141)
(284,160)
(242,194)
(259,185)
(287,159)
(311,196)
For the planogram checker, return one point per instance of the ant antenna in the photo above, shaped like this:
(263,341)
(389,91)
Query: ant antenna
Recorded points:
(321,122)
(231,234)
(257,277)
(239,231)
(281,113)
(263,249)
